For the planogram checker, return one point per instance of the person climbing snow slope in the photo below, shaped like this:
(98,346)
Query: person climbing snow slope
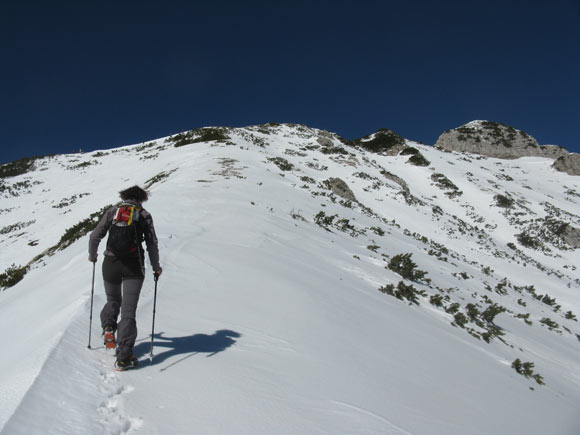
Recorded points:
(128,224)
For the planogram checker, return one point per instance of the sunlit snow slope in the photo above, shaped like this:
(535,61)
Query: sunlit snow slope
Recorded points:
(269,315)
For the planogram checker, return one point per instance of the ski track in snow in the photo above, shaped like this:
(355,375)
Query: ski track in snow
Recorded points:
(390,429)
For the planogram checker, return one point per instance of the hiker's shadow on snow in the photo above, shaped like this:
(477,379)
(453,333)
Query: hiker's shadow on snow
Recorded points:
(187,346)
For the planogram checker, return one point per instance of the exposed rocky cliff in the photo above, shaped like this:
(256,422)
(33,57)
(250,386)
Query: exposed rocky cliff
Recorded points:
(494,139)
(569,164)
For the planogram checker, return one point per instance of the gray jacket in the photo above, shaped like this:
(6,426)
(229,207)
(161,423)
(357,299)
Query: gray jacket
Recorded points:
(146,225)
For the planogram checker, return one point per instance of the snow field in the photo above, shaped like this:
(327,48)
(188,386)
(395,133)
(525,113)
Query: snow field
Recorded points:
(270,324)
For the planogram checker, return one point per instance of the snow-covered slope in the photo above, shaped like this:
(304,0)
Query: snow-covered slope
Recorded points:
(269,314)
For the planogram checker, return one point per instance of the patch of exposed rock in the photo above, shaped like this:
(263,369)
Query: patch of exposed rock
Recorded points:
(571,236)
(494,139)
(570,164)
(340,188)
(396,179)
(325,141)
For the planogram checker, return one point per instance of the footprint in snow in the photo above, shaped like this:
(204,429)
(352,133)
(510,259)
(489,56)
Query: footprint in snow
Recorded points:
(112,416)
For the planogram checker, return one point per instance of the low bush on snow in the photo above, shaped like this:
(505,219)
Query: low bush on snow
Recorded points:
(403,292)
(12,276)
(404,266)
(526,369)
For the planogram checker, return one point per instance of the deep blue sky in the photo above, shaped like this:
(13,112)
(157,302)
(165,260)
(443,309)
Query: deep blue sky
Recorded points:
(87,75)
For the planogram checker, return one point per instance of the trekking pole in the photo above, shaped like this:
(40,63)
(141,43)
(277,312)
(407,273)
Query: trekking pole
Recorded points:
(91,316)
(156,277)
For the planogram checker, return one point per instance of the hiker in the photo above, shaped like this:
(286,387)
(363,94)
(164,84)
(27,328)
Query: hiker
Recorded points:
(128,224)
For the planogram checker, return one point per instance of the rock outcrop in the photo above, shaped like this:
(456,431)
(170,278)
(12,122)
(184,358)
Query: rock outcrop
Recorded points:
(340,188)
(396,179)
(494,139)
(571,236)
(570,164)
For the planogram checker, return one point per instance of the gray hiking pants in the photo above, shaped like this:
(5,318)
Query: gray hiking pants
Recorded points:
(123,281)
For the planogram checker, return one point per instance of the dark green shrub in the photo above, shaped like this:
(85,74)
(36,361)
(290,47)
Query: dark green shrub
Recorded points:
(403,292)
(16,227)
(526,369)
(418,160)
(83,165)
(383,140)
(557,227)
(321,219)
(472,311)
(570,315)
(500,288)
(444,183)
(181,139)
(74,233)
(378,231)
(460,320)
(344,225)
(527,240)
(17,167)
(333,150)
(503,201)
(199,135)
(209,134)
(158,178)
(525,317)
(282,163)
(548,300)
(490,312)
(492,331)
(404,266)
(436,300)
(12,276)
(453,308)
(79,230)
(363,175)
(549,323)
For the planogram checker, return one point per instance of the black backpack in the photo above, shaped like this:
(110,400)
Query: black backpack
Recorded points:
(125,235)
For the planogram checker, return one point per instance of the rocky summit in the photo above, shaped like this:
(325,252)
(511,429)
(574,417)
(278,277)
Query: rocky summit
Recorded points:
(494,139)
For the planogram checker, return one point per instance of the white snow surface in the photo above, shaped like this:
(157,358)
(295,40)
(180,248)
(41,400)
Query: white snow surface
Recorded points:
(268,323)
